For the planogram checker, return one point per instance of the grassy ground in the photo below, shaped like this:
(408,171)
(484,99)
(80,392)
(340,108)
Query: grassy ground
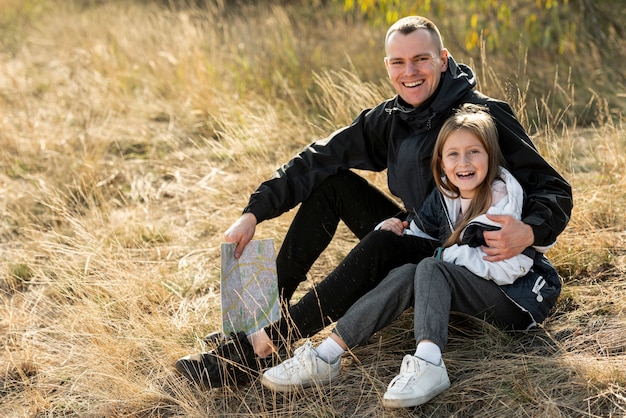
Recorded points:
(131,137)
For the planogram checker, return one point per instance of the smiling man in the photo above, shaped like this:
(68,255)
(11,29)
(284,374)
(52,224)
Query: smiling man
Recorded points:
(397,135)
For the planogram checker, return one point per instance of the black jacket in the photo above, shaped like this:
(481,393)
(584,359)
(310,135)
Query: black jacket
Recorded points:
(399,138)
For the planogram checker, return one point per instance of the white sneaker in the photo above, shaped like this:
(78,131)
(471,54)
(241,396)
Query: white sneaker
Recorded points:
(304,369)
(418,382)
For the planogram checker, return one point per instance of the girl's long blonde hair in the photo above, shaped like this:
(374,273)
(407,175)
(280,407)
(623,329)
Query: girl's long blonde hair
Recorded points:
(475,119)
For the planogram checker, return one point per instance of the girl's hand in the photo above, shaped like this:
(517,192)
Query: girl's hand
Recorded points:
(394,225)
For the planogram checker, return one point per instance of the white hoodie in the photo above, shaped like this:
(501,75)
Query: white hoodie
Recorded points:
(509,200)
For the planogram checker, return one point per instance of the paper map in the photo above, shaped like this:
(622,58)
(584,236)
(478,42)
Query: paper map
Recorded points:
(249,287)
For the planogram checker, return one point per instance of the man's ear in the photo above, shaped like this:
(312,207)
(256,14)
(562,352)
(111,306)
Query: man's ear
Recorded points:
(444,60)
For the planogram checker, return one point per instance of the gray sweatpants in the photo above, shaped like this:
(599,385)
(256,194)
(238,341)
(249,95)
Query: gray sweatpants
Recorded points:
(433,288)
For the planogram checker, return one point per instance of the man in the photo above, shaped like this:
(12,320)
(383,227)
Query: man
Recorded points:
(397,135)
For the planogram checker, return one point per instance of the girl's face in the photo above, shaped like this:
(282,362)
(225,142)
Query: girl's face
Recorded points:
(464,161)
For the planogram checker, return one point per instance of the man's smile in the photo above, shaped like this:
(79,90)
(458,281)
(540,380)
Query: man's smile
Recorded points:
(413,84)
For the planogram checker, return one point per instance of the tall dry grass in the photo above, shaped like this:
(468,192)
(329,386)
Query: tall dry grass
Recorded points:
(130,138)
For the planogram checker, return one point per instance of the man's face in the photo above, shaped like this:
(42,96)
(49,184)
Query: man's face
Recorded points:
(414,64)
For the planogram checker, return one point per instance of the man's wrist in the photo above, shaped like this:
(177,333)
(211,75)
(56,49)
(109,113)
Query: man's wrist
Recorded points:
(247,212)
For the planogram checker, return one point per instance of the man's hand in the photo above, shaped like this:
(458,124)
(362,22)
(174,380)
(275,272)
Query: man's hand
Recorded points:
(241,232)
(394,225)
(514,237)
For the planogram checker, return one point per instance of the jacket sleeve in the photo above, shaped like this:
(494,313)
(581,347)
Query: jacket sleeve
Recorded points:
(361,145)
(502,272)
(430,221)
(549,202)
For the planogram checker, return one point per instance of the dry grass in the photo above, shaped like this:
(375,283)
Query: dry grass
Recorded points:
(131,137)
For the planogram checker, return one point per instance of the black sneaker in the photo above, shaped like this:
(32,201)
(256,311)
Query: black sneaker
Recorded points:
(215,339)
(230,364)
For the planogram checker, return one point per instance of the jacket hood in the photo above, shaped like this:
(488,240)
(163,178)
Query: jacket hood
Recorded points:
(511,204)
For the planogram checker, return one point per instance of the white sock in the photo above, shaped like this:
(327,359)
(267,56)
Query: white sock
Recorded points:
(329,351)
(428,351)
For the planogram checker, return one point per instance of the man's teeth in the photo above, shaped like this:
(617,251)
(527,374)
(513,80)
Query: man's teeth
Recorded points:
(414,84)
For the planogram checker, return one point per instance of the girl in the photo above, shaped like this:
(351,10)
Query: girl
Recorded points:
(517,293)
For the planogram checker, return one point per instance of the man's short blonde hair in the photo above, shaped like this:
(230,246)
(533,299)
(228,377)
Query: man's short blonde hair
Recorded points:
(410,24)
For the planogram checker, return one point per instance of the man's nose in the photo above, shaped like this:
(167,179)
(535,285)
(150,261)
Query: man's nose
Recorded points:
(411,67)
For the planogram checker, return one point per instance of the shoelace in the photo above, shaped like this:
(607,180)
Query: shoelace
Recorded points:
(304,356)
(408,370)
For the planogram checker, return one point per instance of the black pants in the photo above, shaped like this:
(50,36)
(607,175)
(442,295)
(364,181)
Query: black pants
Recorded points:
(351,199)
